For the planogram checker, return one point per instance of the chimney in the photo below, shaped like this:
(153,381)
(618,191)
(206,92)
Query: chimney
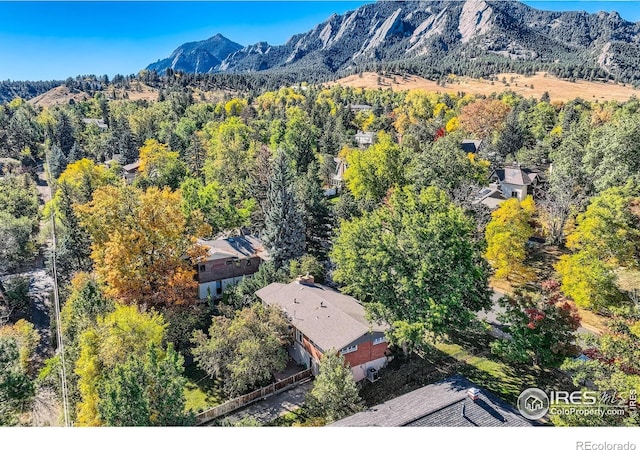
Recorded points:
(307,280)
(473,393)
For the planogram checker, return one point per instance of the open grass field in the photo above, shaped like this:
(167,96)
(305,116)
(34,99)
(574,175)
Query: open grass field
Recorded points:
(533,86)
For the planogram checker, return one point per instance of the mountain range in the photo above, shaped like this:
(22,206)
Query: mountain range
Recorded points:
(472,37)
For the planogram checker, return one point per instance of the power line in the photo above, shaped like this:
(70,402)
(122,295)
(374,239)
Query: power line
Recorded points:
(56,298)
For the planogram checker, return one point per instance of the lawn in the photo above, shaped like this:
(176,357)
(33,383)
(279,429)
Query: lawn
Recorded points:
(201,392)
(446,359)
(506,381)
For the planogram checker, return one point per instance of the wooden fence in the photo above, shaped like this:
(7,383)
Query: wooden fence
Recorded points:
(251,397)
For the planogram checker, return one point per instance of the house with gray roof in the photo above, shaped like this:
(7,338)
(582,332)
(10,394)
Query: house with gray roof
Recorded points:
(452,402)
(365,138)
(102,126)
(228,261)
(325,320)
(515,181)
(130,171)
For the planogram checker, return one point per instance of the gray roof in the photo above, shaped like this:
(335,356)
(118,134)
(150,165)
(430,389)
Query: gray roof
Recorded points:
(330,319)
(131,167)
(241,247)
(516,175)
(470,145)
(491,196)
(98,122)
(439,405)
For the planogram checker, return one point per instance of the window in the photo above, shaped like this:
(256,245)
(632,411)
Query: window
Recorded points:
(228,262)
(514,194)
(248,262)
(219,287)
(298,336)
(202,268)
(350,349)
(379,340)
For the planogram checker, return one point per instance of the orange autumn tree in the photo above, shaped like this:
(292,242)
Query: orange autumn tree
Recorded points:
(142,246)
(482,117)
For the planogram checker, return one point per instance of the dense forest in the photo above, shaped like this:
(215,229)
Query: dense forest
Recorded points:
(406,236)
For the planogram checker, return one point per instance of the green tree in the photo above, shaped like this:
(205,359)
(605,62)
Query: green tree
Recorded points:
(64,133)
(284,233)
(612,366)
(16,390)
(316,214)
(445,165)
(74,243)
(145,391)
(214,203)
(373,171)
(334,394)
(244,351)
(606,237)
(414,259)
(243,294)
(300,139)
(540,324)
(57,161)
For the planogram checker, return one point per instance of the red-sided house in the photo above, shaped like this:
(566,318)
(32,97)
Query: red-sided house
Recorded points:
(228,261)
(323,319)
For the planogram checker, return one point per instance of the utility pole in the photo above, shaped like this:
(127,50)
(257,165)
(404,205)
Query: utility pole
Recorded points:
(56,307)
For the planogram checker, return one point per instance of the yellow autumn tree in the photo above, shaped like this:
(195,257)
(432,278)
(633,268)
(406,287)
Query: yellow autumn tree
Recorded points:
(27,338)
(141,244)
(507,234)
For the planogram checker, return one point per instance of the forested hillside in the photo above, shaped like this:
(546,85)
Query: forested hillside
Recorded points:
(434,39)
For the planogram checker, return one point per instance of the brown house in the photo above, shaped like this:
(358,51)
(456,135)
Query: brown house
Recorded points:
(229,260)
(323,319)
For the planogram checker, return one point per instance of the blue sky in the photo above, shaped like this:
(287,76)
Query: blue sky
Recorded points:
(54,40)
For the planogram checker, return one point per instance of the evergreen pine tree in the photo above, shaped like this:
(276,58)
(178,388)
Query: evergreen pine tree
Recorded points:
(75,154)
(283,234)
(73,252)
(127,146)
(64,133)
(57,161)
(195,155)
(316,214)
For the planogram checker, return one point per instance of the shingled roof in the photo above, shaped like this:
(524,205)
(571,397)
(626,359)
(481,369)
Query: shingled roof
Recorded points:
(330,319)
(240,247)
(516,175)
(442,404)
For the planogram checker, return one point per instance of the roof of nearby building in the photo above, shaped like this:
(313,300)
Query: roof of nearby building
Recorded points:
(330,319)
(491,196)
(365,134)
(361,107)
(98,122)
(516,175)
(439,404)
(241,247)
(131,167)
(470,145)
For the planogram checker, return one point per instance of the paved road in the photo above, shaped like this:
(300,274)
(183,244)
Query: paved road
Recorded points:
(269,409)
(39,289)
